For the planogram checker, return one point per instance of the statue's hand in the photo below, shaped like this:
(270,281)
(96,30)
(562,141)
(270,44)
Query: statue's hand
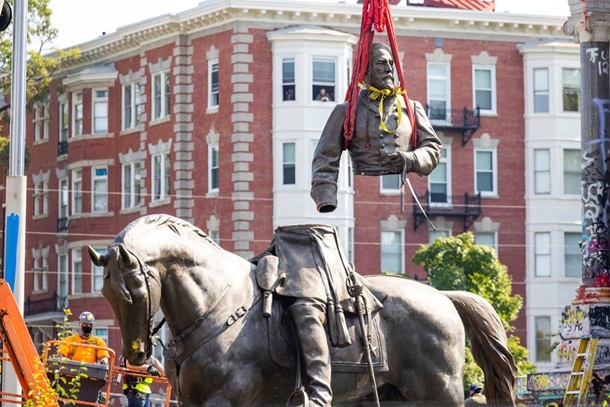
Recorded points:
(402,159)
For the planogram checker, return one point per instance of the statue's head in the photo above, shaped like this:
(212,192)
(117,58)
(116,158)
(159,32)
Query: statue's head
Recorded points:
(380,72)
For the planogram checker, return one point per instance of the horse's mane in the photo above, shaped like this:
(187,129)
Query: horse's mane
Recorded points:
(134,231)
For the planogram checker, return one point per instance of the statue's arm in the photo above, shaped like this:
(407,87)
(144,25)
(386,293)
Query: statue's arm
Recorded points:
(428,151)
(325,165)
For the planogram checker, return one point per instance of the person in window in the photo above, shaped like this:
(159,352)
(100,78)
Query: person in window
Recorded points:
(381,142)
(289,94)
(137,388)
(323,96)
(70,347)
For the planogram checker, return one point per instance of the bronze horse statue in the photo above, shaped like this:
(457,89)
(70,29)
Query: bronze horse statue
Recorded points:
(222,356)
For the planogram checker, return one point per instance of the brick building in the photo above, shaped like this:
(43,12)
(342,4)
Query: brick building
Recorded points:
(210,115)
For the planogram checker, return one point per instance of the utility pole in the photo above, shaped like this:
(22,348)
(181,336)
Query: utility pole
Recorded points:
(16,182)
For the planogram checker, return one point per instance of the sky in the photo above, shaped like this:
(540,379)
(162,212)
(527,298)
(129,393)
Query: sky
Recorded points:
(79,21)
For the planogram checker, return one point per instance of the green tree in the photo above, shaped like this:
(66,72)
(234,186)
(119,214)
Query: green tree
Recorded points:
(41,65)
(456,263)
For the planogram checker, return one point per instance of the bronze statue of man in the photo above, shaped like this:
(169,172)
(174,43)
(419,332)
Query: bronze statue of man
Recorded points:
(381,143)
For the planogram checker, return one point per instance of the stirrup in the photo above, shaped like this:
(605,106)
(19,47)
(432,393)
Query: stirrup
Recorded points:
(300,391)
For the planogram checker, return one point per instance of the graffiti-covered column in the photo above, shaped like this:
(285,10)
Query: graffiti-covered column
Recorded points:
(589,24)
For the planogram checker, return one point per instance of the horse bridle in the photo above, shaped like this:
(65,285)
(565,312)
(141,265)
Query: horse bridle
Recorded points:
(151,317)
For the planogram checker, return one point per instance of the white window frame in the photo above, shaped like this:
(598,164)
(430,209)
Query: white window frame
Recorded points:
(41,122)
(62,275)
(542,254)
(77,114)
(37,270)
(214,234)
(287,83)
(289,164)
(161,94)
(213,85)
(567,90)
(97,273)
(444,162)
(160,190)
(64,118)
(99,111)
(63,198)
(432,99)
(389,184)
(315,84)
(546,338)
(542,171)
(37,198)
(382,253)
(99,196)
(131,110)
(540,91)
(492,69)
(576,172)
(77,191)
(131,189)
(77,271)
(572,251)
(213,168)
(494,238)
(494,171)
(438,233)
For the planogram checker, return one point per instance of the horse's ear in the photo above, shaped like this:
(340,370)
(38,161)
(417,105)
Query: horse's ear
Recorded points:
(97,258)
(127,258)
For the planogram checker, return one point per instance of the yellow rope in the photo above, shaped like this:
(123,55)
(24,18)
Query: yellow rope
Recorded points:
(383,93)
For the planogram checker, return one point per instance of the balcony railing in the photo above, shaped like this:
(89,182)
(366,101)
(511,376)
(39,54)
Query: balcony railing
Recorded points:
(466,206)
(467,121)
(47,305)
(62,225)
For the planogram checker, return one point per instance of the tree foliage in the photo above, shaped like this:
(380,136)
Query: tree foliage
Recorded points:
(43,60)
(456,263)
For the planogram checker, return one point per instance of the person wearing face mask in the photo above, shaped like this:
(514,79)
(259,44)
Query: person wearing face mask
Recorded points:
(70,349)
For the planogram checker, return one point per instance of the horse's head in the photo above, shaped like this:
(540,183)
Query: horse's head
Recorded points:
(133,290)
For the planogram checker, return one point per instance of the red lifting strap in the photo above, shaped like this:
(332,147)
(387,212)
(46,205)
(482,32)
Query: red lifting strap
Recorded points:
(375,17)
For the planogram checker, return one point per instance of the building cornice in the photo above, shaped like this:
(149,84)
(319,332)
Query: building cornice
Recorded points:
(408,20)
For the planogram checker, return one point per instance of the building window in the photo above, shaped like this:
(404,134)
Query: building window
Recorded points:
(214,235)
(486,239)
(100,111)
(97,274)
(571,89)
(323,79)
(350,244)
(542,171)
(572,255)
(160,177)
(390,183)
(571,172)
(161,95)
(214,165)
(439,181)
(288,79)
(100,189)
(213,95)
(63,121)
(41,198)
(101,333)
(486,174)
(41,122)
(542,254)
(392,251)
(77,114)
(63,198)
(62,275)
(77,271)
(40,273)
(439,91)
(541,90)
(132,185)
(132,106)
(288,164)
(543,339)
(437,234)
(77,192)
(484,78)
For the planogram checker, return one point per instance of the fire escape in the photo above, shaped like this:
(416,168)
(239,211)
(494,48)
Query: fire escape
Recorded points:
(461,122)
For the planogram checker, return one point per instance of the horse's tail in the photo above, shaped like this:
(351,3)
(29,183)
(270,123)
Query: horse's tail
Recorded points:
(489,346)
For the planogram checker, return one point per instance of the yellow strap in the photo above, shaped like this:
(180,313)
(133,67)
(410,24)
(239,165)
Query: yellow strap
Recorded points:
(383,93)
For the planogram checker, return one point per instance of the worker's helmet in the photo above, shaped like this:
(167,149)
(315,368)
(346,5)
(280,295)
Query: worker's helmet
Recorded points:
(86,317)
(475,388)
